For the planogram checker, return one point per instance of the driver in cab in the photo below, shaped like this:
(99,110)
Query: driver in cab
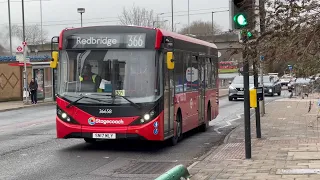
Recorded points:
(88,76)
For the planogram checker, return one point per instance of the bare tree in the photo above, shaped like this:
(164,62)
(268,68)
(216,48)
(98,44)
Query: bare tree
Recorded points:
(32,34)
(141,17)
(291,36)
(137,16)
(201,28)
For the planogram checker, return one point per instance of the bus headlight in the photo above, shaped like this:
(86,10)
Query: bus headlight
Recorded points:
(145,118)
(65,117)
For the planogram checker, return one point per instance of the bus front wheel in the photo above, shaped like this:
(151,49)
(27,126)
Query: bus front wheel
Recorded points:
(178,134)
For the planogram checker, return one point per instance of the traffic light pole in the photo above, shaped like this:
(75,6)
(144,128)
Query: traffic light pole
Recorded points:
(246,103)
(257,109)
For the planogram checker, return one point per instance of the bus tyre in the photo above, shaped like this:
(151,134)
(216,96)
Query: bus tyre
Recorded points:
(178,135)
(89,140)
(205,125)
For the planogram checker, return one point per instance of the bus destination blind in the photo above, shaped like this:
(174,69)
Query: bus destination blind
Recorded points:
(84,41)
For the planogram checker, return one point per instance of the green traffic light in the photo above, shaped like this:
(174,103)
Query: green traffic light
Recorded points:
(240,19)
(249,34)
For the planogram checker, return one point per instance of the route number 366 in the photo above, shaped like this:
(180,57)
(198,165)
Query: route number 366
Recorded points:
(136,41)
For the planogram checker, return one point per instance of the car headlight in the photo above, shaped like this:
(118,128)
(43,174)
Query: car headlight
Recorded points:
(65,117)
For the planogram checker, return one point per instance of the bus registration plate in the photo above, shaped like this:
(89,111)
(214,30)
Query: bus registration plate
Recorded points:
(104,135)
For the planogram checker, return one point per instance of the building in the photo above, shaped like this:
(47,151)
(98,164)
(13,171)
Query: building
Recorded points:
(38,66)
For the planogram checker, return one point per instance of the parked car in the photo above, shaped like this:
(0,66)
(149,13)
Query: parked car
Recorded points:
(236,89)
(271,85)
(285,79)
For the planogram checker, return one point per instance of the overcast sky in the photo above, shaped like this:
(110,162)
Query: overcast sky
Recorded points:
(59,14)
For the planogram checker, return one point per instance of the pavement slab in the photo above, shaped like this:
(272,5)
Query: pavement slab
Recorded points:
(289,147)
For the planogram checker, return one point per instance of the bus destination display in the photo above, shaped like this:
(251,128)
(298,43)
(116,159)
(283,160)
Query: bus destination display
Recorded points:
(82,41)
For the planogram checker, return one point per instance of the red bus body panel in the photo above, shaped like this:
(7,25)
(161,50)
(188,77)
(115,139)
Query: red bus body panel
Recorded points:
(145,130)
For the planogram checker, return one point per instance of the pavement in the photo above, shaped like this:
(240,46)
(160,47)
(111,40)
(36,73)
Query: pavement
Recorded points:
(289,148)
(14,105)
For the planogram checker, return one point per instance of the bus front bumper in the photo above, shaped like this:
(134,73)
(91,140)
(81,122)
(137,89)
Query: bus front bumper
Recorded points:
(141,132)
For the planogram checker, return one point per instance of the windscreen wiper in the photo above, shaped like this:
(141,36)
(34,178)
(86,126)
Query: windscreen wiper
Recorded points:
(82,96)
(131,102)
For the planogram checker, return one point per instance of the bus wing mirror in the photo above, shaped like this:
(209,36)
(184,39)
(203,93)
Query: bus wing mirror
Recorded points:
(54,60)
(170,61)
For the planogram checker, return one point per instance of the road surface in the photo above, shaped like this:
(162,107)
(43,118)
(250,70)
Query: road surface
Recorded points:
(29,149)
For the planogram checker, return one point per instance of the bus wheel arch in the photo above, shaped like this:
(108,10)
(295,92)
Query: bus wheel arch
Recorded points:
(178,130)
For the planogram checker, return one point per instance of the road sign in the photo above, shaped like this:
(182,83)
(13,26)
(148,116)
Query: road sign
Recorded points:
(24,43)
(261,58)
(290,67)
(19,49)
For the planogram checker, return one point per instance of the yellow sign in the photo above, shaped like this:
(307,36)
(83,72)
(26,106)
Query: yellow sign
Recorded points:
(120,92)
(253,98)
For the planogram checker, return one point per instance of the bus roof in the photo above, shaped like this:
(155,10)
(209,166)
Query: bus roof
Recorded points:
(187,38)
(164,33)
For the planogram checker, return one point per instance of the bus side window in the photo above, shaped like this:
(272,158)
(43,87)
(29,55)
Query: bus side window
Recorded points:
(208,73)
(179,73)
(195,73)
(187,67)
(213,72)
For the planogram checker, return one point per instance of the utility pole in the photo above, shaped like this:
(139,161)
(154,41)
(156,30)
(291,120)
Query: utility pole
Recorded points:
(246,103)
(188,16)
(24,54)
(257,109)
(261,28)
(172,28)
(10,33)
(41,23)
(212,22)
(263,109)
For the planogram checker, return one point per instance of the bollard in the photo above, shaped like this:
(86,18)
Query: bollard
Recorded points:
(179,172)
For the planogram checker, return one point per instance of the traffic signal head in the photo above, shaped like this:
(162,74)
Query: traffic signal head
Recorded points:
(240,20)
(245,35)
(241,11)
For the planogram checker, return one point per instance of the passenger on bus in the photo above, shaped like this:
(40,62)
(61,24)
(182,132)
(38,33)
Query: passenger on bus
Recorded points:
(88,76)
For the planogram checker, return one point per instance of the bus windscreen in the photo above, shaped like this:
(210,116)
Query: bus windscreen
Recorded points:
(130,73)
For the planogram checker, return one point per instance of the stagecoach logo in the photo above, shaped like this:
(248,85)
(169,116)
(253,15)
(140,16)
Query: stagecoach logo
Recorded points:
(91,40)
(92,121)
(105,111)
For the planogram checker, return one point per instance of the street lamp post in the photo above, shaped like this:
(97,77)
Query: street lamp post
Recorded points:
(41,23)
(24,53)
(188,17)
(81,11)
(10,34)
(172,16)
